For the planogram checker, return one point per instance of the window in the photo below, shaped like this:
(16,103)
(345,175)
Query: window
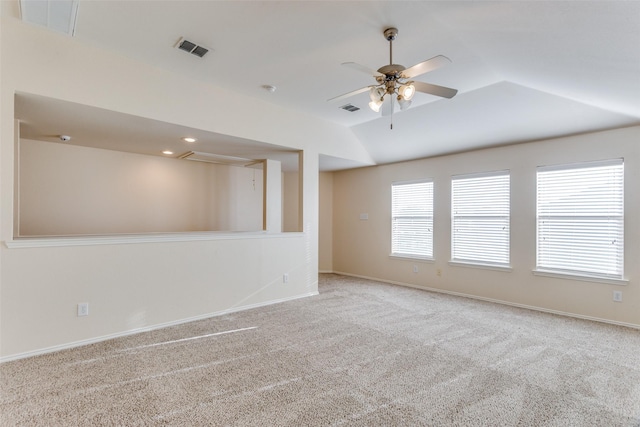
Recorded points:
(580,218)
(480,218)
(412,219)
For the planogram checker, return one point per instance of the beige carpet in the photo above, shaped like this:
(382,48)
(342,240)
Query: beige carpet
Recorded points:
(361,353)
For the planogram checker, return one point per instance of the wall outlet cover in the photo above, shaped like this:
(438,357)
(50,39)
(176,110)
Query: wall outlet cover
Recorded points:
(617,296)
(83,309)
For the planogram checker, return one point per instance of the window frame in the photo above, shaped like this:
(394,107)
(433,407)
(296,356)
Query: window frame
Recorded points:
(550,271)
(429,216)
(501,264)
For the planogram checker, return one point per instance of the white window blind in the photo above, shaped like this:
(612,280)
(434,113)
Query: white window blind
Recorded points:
(412,219)
(580,218)
(480,207)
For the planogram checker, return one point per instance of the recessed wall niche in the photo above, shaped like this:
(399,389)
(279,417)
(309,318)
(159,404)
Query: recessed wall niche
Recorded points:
(110,177)
(74,190)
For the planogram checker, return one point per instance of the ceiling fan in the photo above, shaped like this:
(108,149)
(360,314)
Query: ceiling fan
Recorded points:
(395,80)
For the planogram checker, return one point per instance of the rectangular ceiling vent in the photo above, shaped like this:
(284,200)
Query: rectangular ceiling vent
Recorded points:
(350,108)
(191,47)
(218,159)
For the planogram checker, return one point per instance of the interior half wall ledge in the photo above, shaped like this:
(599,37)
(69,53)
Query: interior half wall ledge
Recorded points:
(41,242)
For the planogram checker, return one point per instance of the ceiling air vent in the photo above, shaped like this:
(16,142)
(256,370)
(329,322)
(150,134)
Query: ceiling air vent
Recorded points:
(350,108)
(191,47)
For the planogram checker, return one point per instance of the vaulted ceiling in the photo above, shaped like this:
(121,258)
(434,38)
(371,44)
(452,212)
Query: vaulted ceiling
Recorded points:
(524,70)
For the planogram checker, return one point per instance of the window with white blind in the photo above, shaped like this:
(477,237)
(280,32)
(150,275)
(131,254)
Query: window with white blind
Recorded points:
(412,219)
(580,215)
(480,217)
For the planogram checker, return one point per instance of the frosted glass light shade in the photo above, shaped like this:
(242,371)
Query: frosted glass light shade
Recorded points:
(407,91)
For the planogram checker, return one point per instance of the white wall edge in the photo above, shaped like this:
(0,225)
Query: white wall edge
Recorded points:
(44,242)
(148,328)
(580,278)
(496,301)
(412,258)
(503,268)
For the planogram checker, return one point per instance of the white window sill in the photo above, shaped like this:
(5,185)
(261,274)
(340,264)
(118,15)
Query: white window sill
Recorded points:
(580,277)
(504,268)
(411,257)
(118,239)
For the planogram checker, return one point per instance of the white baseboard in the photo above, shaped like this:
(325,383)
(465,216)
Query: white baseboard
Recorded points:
(496,301)
(148,328)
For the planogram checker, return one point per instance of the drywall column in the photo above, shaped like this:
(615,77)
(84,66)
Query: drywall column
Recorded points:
(272,219)
(325,224)
(309,214)
(16,177)
(301,181)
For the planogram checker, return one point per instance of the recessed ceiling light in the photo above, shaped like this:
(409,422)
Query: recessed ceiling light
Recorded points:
(167,152)
(189,139)
(269,88)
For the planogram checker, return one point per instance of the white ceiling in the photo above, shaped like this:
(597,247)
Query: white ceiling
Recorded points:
(46,119)
(525,70)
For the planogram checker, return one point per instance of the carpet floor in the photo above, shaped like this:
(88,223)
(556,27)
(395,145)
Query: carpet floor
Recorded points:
(362,353)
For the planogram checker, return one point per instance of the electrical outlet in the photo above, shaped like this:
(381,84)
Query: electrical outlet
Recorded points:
(617,296)
(83,309)
(285,278)
(415,268)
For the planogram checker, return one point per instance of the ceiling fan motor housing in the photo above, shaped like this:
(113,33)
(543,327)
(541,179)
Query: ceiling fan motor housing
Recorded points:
(392,72)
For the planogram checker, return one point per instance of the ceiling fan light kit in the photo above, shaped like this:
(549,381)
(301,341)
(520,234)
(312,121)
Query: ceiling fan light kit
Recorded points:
(403,103)
(407,91)
(375,105)
(395,80)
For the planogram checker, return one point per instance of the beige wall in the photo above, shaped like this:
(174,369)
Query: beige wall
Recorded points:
(67,190)
(237,198)
(290,201)
(325,239)
(362,247)
(132,286)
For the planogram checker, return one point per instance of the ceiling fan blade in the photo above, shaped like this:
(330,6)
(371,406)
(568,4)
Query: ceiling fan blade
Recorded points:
(363,69)
(445,92)
(352,93)
(426,66)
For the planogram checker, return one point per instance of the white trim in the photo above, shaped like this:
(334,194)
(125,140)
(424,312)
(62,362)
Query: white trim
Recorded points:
(486,174)
(581,165)
(148,328)
(496,301)
(580,277)
(412,181)
(412,258)
(120,239)
(505,268)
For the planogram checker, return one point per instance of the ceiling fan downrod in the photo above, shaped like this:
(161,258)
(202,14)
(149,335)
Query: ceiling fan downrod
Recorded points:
(390,34)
